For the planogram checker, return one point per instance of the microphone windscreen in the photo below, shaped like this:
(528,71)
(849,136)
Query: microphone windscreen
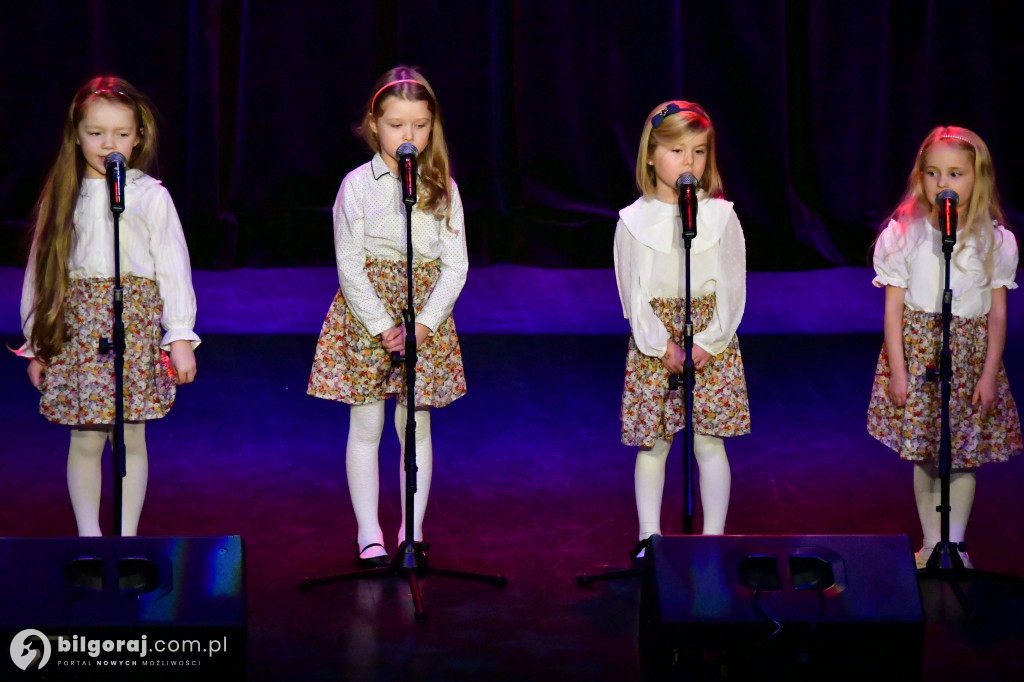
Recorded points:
(949,194)
(115,157)
(686,179)
(407,149)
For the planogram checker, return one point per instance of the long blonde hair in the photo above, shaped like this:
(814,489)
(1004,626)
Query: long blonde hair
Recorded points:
(53,231)
(434,170)
(676,119)
(982,206)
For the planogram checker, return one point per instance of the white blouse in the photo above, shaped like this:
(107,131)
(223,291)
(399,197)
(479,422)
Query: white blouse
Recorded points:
(152,247)
(650,263)
(910,257)
(369,220)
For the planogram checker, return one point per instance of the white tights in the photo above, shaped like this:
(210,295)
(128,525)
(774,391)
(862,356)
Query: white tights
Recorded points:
(366,424)
(715,481)
(85,476)
(928,493)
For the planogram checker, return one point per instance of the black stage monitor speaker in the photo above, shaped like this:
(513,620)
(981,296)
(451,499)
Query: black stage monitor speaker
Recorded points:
(748,607)
(122,608)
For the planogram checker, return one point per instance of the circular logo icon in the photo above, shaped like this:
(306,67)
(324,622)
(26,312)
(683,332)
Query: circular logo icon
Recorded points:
(30,649)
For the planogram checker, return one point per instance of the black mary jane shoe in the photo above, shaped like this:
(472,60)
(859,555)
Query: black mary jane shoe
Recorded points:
(635,555)
(373,562)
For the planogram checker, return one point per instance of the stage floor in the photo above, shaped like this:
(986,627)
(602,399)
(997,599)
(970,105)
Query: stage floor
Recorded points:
(530,480)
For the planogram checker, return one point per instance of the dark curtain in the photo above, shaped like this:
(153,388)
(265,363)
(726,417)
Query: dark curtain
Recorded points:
(819,109)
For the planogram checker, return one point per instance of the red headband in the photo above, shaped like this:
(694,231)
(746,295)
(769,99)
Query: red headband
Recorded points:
(388,85)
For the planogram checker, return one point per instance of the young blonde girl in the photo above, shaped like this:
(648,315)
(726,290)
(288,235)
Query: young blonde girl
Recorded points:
(67,298)
(905,407)
(364,324)
(678,138)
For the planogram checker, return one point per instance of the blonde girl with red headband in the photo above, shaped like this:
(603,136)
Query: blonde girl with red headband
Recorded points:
(67,298)
(904,412)
(678,137)
(364,324)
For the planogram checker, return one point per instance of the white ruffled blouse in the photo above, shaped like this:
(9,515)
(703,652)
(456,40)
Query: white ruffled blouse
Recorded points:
(910,257)
(369,220)
(650,263)
(152,247)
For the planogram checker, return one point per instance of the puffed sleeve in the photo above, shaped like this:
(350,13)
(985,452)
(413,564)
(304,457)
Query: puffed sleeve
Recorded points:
(730,290)
(360,296)
(649,333)
(454,267)
(1006,256)
(173,268)
(890,260)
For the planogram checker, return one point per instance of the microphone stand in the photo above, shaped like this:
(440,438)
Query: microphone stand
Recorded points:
(688,378)
(945,553)
(410,560)
(116,344)
(945,562)
(689,231)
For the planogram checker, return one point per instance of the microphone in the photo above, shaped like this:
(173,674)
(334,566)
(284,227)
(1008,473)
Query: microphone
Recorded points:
(115,164)
(947,201)
(407,171)
(687,186)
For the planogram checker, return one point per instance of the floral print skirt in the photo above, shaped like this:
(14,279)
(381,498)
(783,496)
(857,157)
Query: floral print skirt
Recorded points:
(650,411)
(352,367)
(914,430)
(78,384)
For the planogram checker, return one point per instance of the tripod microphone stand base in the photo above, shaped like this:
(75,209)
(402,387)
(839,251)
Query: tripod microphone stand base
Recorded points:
(946,565)
(410,564)
(584,579)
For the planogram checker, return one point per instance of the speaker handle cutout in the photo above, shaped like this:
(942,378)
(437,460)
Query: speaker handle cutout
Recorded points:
(760,572)
(810,572)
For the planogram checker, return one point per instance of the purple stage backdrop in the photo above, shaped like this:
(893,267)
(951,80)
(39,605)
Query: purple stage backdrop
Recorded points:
(819,108)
